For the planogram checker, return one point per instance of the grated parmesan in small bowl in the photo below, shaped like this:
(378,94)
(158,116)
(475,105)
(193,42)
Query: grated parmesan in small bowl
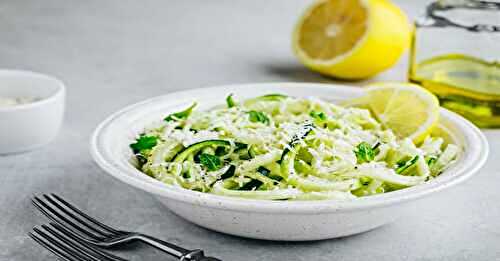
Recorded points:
(31,110)
(9,102)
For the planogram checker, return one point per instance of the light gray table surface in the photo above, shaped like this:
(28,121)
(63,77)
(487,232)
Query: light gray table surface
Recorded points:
(114,53)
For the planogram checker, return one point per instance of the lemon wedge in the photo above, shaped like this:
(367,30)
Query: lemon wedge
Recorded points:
(407,109)
(351,39)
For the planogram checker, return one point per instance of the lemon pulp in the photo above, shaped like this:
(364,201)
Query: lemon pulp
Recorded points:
(332,28)
(351,39)
(407,109)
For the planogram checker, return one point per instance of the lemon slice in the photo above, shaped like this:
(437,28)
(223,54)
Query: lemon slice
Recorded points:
(351,39)
(407,109)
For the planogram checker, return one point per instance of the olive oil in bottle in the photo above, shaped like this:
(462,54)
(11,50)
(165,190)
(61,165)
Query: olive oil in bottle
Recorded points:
(461,68)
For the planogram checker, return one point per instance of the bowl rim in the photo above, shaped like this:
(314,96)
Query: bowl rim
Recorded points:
(479,154)
(59,93)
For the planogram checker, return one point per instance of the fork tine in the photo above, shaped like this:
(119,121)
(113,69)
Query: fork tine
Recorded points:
(62,247)
(70,244)
(59,253)
(74,235)
(77,217)
(56,231)
(60,219)
(89,218)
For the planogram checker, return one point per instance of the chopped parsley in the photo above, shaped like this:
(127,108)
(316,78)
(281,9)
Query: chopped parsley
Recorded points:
(144,143)
(257,116)
(364,152)
(318,115)
(182,115)
(211,162)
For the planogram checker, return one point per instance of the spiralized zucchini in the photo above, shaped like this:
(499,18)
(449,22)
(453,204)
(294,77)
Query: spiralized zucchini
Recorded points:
(277,147)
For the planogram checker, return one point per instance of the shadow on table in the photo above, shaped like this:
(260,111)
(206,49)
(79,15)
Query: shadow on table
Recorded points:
(298,73)
(249,242)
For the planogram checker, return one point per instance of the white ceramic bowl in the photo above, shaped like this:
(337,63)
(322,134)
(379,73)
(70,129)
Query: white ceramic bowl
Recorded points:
(273,220)
(28,126)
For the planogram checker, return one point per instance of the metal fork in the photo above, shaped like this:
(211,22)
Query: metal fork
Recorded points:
(75,222)
(68,248)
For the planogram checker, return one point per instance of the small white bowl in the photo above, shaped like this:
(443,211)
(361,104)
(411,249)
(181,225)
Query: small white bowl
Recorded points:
(273,220)
(30,125)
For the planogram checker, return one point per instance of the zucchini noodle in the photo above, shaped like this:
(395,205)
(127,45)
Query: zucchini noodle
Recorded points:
(276,147)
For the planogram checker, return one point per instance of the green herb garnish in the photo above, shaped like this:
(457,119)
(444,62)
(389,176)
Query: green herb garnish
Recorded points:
(318,115)
(257,116)
(364,152)
(230,101)
(144,143)
(182,115)
(211,162)
(404,165)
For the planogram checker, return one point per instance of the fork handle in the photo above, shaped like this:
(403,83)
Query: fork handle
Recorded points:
(181,253)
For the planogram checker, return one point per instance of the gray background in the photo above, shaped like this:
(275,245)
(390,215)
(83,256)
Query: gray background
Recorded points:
(114,53)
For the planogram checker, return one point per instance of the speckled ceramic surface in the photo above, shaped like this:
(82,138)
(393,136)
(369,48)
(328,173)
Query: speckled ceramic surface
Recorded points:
(273,220)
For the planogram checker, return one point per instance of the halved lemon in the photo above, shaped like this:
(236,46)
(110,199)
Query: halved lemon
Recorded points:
(407,109)
(351,39)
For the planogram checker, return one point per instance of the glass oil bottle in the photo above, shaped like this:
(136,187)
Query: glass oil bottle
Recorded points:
(455,54)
